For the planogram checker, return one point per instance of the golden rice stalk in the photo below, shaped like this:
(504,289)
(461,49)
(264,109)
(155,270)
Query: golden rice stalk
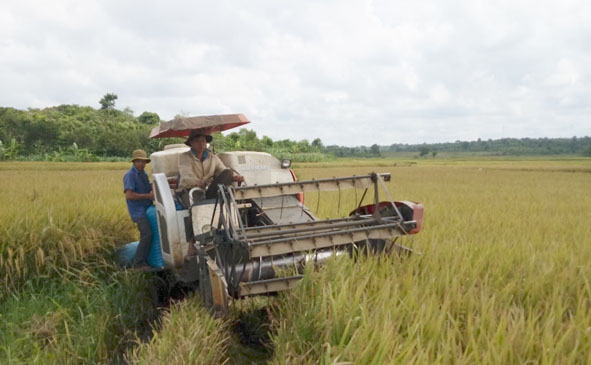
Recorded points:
(39,260)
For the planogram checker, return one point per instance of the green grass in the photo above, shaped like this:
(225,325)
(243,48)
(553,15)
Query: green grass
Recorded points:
(62,300)
(501,273)
(86,315)
(54,215)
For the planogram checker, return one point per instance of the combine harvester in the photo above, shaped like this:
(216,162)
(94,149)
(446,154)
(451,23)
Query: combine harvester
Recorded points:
(257,238)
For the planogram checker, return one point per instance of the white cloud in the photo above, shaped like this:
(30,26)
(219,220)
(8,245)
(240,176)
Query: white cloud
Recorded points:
(354,72)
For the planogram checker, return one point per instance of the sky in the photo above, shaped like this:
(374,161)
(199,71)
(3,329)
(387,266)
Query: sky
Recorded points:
(350,72)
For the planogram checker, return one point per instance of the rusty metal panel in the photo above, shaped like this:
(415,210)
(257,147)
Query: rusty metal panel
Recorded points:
(268,286)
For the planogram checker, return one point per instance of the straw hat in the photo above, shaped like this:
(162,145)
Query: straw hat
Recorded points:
(139,155)
(196,133)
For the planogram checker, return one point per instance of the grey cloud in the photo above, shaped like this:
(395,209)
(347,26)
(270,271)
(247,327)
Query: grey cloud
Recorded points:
(349,72)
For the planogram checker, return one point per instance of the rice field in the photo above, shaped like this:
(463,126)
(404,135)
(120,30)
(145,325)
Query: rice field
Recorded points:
(500,273)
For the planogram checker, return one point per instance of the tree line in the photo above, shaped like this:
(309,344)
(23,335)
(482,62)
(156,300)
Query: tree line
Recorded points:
(505,146)
(83,133)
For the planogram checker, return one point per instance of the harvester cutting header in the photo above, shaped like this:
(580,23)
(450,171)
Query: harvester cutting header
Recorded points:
(255,237)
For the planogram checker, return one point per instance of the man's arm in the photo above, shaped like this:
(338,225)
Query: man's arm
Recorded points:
(132,195)
(219,167)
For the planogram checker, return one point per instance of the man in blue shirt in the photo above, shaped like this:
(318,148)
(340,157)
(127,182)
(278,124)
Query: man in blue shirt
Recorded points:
(139,196)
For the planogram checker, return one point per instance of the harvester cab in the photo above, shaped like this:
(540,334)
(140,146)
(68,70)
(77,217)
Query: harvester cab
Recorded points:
(257,238)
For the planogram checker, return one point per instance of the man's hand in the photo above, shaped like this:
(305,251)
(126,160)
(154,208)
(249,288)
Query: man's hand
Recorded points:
(201,185)
(239,178)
